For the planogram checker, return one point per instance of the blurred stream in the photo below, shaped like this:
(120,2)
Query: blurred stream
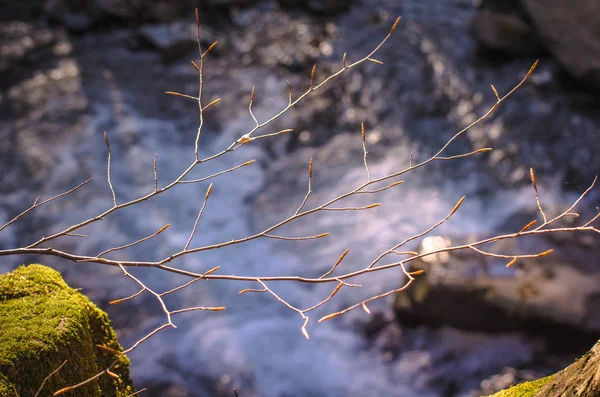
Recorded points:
(55,109)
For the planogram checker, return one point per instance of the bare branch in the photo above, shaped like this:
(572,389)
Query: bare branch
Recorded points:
(290,93)
(340,259)
(592,220)
(375,205)
(394,248)
(181,95)
(200,69)
(202,276)
(250,107)
(363,303)
(114,196)
(218,173)
(537,196)
(460,156)
(159,231)
(199,308)
(36,204)
(76,235)
(48,377)
(138,392)
(117,301)
(155,173)
(514,257)
(380,189)
(310,172)
(198,218)
(568,211)
(297,238)
(364,145)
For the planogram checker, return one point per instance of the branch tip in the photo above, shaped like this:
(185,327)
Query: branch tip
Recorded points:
(528,226)
(377,61)
(395,25)
(210,47)
(457,206)
(495,92)
(329,317)
(512,262)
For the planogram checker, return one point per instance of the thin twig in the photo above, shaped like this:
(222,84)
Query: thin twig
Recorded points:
(48,377)
(218,173)
(309,191)
(112,190)
(198,217)
(460,156)
(155,173)
(340,259)
(297,238)
(138,392)
(537,196)
(159,231)
(364,145)
(200,69)
(36,204)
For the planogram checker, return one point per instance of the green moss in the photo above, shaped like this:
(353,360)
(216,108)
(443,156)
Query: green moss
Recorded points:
(44,322)
(526,389)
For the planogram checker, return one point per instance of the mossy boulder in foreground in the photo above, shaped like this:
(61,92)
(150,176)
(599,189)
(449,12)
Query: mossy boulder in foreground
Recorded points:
(580,379)
(44,322)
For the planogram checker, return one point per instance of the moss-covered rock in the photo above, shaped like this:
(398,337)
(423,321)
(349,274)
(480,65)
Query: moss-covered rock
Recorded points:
(526,389)
(44,322)
(580,379)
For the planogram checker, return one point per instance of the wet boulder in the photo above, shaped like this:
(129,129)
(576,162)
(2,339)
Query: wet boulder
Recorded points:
(571,32)
(505,32)
(544,296)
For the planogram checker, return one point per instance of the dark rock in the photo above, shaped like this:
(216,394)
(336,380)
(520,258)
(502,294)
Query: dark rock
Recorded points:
(172,40)
(163,12)
(376,323)
(20,9)
(24,44)
(130,12)
(77,22)
(323,7)
(227,3)
(571,33)
(578,379)
(390,339)
(120,9)
(505,32)
(552,300)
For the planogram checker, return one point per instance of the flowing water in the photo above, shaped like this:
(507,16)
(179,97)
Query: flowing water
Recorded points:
(96,84)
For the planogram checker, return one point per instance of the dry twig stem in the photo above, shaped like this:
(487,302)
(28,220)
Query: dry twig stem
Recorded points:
(48,377)
(112,190)
(36,204)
